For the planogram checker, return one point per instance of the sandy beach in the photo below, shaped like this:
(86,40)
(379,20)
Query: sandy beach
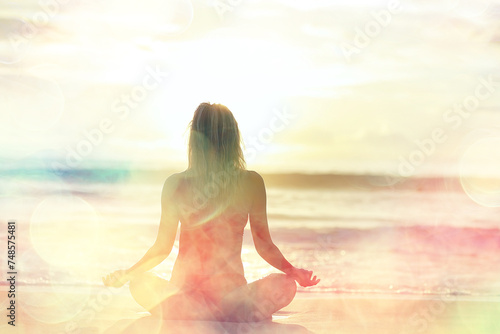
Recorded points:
(118,313)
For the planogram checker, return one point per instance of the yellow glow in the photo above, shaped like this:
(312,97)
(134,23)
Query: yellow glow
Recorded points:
(41,111)
(250,77)
(64,231)
(54,306)
(166,17)
(479,163)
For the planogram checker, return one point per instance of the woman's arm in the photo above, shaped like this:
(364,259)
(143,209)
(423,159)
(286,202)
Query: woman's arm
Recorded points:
(262,238)
(164,240)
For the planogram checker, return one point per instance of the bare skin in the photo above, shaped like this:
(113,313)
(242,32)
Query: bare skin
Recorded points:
(207,280)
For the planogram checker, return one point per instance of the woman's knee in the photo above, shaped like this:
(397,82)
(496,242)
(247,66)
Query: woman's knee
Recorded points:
(285,288)
(284,281)
(139,282)
(147,286)
(290,288)
(149,291)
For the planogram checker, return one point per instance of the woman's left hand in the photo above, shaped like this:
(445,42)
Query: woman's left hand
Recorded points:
(116,279)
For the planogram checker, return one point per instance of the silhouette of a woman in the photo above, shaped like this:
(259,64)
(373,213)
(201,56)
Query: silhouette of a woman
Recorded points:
(213,200)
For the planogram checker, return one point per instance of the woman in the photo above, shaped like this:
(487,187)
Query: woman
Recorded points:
(212,199)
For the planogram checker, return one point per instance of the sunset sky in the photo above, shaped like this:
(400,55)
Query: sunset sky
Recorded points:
(316,86)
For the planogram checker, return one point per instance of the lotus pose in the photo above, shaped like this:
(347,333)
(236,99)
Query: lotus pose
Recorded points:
(213,200)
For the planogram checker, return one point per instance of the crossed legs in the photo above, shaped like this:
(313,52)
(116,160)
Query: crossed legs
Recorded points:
(256,301)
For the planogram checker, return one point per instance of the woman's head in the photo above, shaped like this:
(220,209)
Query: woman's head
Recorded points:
(214,141)
(215,155)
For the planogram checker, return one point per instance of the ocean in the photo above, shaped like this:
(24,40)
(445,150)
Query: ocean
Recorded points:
(418,236)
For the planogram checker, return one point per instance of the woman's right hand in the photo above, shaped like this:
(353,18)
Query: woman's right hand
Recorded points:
(303,277)
(116,279)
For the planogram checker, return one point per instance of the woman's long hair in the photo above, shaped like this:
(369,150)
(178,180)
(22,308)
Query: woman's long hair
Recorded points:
(215,154)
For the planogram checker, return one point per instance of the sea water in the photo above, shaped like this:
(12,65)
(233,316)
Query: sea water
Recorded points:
(74,228)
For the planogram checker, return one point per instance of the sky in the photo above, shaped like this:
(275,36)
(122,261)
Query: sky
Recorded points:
(369,87)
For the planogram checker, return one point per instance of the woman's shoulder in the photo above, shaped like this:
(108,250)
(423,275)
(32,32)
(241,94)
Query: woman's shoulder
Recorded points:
(175,177)
(254,179)
(253,175)
(246,174)
(172,182)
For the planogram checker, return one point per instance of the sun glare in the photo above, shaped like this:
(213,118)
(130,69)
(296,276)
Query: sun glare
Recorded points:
(231,76)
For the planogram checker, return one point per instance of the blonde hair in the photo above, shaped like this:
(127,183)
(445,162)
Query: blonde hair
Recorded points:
(215,154)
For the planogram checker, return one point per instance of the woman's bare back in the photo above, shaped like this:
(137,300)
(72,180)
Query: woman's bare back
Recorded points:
(211,238)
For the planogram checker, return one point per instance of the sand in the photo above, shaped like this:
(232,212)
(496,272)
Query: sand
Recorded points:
(67,311)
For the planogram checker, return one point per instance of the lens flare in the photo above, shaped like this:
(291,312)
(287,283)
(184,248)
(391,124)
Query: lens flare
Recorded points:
(479,170)
(48,303)
(65,231)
